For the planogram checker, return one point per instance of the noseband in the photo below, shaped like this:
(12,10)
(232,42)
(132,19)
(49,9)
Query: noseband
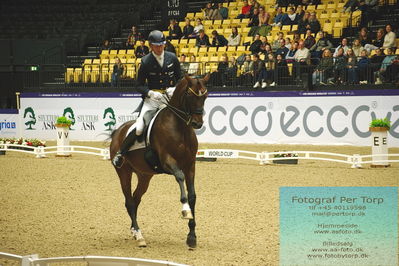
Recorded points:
(186,114)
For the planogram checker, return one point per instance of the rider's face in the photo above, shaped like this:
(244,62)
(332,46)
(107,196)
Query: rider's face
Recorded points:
(157,49)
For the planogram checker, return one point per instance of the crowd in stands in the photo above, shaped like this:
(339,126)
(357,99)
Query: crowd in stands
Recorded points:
(369,58)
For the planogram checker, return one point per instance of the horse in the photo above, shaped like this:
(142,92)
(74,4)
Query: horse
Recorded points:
(175,142)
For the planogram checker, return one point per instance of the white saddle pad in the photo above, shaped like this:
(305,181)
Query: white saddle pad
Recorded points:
(140,145)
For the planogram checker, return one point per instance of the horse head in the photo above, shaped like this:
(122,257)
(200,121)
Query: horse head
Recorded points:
(189,97)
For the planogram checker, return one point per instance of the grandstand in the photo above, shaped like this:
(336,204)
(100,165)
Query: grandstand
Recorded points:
(54,46)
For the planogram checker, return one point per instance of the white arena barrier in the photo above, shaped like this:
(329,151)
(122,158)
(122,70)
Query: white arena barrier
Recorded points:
(34,260)
(41,151)
(355,160)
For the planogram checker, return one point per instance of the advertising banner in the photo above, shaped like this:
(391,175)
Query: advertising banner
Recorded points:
(9,123)
(236,117)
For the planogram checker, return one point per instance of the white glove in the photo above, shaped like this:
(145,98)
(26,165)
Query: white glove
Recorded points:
(155,95)
(169,91)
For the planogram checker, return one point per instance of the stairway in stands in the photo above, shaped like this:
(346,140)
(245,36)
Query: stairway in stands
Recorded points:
(386,15)
(148,23)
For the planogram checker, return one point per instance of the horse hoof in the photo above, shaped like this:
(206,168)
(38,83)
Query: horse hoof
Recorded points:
(191,243)
(141,243)
(187,215)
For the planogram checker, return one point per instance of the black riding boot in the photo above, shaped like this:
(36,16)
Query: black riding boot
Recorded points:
(118,159)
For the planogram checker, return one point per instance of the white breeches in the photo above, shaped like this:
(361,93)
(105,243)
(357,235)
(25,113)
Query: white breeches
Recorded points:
(149,105)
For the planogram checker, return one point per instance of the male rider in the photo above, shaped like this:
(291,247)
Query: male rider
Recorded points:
(160,71)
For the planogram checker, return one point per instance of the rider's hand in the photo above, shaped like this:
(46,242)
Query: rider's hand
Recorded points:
(155,95)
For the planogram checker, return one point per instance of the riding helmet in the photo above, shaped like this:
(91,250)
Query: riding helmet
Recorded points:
(156,37)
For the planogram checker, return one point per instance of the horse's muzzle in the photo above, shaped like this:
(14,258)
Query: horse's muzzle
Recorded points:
(196,125)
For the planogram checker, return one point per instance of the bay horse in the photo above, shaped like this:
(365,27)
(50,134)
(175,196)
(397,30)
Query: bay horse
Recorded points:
(174,141)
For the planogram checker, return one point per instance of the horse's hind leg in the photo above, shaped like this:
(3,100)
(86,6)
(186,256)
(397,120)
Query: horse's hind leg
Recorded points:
(132,202)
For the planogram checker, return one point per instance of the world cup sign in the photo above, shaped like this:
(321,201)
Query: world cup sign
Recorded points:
(173,9)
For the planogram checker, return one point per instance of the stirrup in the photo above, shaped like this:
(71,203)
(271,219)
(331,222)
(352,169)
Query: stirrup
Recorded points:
(118,160)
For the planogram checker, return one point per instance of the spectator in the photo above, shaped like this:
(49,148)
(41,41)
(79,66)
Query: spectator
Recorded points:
(193,68)
(363,68)
(245,10)
(290,18)
(232,71)
(339,67)
(276,43)
(219,77)
(223,11)
(351,66)
(364,37)
(343,45)
(264,18)
(133,37)
(302,23)
(322,44)
(384,74)
(290,57)
(254,23)
(390,38)
(141,50)
(323,70)
(210,13)
(368,11)
(350,6)
(266,48)
(288,42)
(313,23)
(376,60)
(254,5)
(202,40)
(357,47)
(174,30)
(197,28)
(309,40)
(234,38)
(299,12)
(281,69)
(297,37)
(378,42)
(278,19)
(301,57)
(258,70)
(184,65)
(256,44)
(246,74)
(188,29)
(218,39)
(107,45)
(117,72)
(282,50)
(169,47)
(270,70)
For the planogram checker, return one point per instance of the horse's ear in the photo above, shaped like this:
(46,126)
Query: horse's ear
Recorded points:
(206,78)
(189,79)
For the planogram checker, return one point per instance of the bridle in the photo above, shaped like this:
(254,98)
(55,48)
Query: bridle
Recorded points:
(186,114)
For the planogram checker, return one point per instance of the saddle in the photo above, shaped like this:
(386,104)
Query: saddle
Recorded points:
(150,155)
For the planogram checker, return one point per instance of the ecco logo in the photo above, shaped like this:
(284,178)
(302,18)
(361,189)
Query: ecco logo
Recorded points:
(261,121)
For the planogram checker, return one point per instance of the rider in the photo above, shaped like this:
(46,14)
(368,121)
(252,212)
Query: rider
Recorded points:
(161,70)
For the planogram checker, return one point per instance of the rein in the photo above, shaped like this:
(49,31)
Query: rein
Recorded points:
(185,115)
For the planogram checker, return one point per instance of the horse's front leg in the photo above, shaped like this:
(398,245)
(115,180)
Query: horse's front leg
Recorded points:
(186,211)
(191,237)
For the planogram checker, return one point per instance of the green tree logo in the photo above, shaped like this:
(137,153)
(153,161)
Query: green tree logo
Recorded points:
(68,113)
(29,114)
(109,117)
